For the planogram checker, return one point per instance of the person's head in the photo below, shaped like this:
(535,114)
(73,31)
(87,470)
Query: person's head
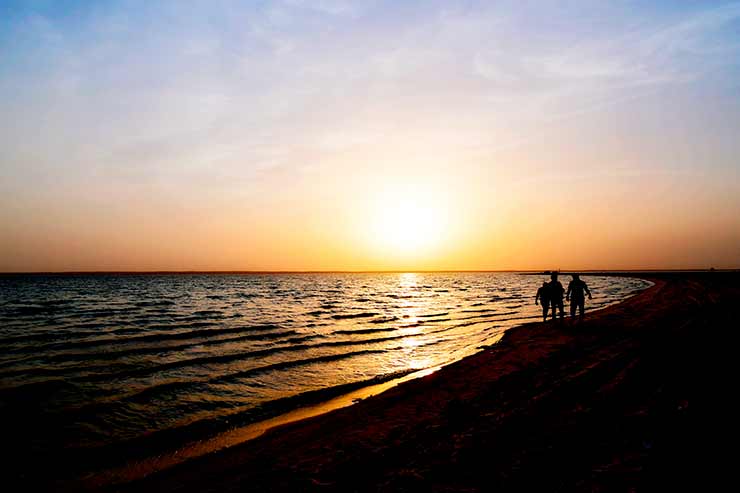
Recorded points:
(575,277)
(554,276)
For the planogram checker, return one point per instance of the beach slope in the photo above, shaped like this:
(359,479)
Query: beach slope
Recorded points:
(600,406)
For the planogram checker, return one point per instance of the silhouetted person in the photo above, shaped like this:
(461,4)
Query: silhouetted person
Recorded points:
(556,295)
(576,289)
(543,295)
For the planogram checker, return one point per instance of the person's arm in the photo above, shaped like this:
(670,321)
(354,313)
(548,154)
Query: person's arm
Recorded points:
(585,286)
(567,294)
(537,297)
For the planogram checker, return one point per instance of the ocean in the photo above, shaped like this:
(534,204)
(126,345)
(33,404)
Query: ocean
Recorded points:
(99,370)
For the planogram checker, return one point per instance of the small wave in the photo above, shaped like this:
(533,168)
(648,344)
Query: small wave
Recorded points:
(143,304)
(208,313)
(107,355)
(104,313)
(201,332)
(490,315)
(363,331)
(293,363)
(155,391)
(226,358)
(341,316)
(431,315)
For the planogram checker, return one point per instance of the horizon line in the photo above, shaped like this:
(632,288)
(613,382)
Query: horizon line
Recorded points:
(392,271)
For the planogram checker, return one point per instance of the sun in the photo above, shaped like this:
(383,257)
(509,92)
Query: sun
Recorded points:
(407,222)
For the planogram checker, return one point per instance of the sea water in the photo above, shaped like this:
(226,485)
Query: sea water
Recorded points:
(100,369)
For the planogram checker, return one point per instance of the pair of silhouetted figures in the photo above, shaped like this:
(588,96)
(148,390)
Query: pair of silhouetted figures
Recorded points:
(550,295)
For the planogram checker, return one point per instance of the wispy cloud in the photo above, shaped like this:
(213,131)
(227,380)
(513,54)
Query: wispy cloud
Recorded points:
(644,56)
(246,88)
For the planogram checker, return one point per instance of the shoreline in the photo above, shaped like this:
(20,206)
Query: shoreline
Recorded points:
(424,414)
(140,469)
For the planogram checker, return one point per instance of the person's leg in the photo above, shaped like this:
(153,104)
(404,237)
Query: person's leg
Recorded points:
(545,307)
(581,308)
(562,309)
(573,306)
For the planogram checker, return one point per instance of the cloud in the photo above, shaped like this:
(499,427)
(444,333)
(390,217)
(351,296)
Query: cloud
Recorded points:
(593,72)
(244,89)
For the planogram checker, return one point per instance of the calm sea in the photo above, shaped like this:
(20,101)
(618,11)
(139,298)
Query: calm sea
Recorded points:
(111,368)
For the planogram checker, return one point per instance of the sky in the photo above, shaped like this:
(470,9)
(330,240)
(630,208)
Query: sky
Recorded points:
(369,135)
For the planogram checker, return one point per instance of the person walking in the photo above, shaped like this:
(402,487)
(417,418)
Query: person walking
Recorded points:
(576,290)
(556,295)
(543,295)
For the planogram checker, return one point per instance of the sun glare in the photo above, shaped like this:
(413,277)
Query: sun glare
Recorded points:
(408,223)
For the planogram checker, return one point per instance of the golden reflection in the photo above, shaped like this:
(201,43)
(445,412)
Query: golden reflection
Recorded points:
(413,313)
(410,343)
(408,289)
(409,280)
(410,330)
(419,363)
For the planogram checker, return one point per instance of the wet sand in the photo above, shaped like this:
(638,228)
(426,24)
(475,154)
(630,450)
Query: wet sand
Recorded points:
(597,406)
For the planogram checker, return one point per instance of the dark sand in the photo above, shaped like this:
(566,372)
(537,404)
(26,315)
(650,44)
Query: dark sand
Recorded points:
(601,406)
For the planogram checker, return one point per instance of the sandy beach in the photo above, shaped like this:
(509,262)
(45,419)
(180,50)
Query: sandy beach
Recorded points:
(599,406)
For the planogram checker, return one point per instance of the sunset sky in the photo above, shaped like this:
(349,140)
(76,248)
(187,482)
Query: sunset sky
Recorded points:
(364,135)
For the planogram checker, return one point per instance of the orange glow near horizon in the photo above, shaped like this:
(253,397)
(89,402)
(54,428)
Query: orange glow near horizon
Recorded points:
(392,228)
